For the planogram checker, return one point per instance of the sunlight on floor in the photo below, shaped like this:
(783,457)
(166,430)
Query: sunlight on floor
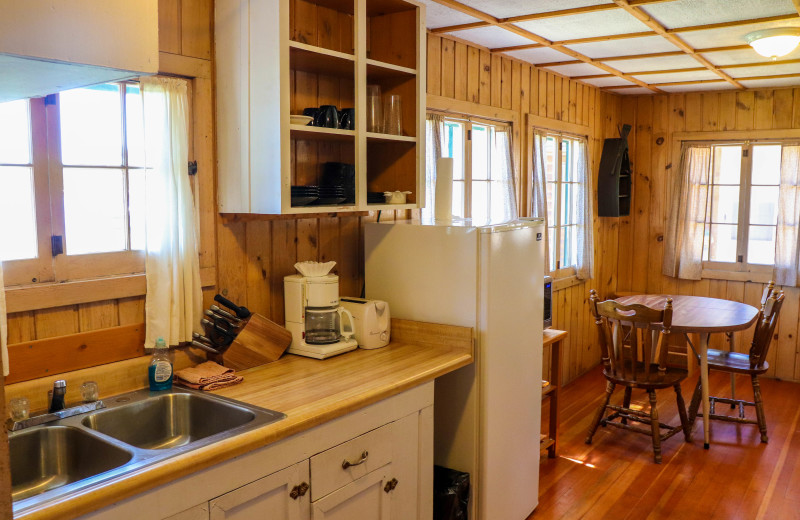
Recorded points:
(576,461)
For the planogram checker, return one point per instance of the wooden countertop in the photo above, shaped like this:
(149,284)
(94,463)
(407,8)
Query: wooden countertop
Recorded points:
(310,392)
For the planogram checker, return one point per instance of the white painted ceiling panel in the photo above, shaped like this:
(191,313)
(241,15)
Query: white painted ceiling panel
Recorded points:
(437,15)
(492,37)
(771,70)
(682,13)
(586,25)
(747,55)
(607,82)
(509,8)
(645,64)
(726,36)
(609,48)
(538,55)
(778,82)
(721,85)
(672,77)
(580,69)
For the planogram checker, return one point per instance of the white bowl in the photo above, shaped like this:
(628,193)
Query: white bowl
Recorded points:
(300,119)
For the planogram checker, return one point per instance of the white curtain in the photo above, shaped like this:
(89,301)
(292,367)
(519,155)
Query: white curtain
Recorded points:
(3,324)
(504,194)
(787,243)
(683,248)
(434,129)
(538,178)
(173,304)
(584,213)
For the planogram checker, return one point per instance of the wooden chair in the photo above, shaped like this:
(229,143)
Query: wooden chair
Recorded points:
(753,363)
(632,338)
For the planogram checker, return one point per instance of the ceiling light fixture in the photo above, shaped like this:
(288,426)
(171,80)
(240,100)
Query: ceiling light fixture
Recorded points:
(773,43)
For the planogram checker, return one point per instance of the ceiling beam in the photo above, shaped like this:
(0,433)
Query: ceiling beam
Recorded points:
(692,69)
(797,5)
(539,16)
(706,81)
(639,56)
(670,37)
(540,40)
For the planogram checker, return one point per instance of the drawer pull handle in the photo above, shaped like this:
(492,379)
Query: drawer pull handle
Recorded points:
(299,491)
(390,485)
(346,463)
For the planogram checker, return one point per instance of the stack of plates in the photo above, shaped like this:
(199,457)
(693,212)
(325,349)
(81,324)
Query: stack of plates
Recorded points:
(375,197)
(304,195)
(331,195)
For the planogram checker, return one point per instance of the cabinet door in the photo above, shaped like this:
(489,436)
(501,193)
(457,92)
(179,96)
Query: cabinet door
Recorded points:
(198,512)
(368,498)
(280,496)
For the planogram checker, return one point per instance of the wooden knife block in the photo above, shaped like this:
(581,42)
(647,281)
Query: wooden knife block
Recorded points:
(259,342)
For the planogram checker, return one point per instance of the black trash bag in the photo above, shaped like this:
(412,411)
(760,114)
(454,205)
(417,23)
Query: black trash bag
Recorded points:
(450,494)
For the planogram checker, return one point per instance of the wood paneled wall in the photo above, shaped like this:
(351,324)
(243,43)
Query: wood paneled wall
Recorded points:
(637,241)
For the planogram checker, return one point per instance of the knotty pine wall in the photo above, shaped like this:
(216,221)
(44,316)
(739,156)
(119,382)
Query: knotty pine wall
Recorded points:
(637,240)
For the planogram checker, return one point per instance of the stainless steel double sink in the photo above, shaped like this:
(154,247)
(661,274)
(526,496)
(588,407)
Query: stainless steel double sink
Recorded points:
(137,429)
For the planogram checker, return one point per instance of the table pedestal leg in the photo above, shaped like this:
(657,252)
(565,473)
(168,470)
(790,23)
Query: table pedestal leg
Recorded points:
(704,386)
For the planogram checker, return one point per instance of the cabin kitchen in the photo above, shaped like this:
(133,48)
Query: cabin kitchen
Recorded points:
(399,259)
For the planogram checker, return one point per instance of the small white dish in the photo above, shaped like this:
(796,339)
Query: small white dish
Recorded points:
(396,197)
(296,119)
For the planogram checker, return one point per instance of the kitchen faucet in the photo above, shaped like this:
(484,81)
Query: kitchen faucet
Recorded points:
(59,390)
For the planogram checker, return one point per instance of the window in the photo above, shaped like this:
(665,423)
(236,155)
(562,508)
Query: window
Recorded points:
(561,183)
(72,168)
(482,174)
(742,208)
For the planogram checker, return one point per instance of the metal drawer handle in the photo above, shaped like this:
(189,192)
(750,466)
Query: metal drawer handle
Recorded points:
(346,463)
(299,491)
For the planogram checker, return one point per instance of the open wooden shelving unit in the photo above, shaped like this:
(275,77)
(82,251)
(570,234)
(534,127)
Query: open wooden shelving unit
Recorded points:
(313,53)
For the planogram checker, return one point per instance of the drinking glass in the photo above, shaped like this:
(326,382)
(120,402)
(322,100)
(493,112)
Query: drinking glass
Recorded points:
(374,109)
(393,116)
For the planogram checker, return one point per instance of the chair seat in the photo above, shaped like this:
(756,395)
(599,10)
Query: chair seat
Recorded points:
(655,380)
(733,362)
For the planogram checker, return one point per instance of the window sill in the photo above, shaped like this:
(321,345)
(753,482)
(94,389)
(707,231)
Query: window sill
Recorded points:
(566,282)
(47,295)
(739,276)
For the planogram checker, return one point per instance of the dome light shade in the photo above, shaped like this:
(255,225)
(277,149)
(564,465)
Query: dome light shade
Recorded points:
(773,43)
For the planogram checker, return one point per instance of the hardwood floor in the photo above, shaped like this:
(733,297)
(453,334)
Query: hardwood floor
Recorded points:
(615,477)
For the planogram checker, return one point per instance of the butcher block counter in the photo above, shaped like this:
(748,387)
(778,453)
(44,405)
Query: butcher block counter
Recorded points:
(313,394)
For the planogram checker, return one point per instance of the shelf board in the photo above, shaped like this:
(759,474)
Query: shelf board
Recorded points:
(380,7)
(309,58)
(547,390)
(343,6)
(380,69)
(376,137)
(391,207)
(321,133)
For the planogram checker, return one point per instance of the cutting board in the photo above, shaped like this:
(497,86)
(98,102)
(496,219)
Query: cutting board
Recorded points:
(259,342)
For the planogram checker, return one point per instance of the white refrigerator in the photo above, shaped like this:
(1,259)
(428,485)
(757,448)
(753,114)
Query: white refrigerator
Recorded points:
(487,416)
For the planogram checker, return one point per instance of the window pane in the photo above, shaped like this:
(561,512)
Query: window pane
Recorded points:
(136,203)
(91,126)
(568,246)
(17,213)
(725,204)
(458,198)
(135,125)
(566,162)
(480,202)
(454,147)
(727,164)
(551,203)
(722,243)
(15,132)
(761,245)
(94,210)
(764,205)
(568,208)
(550,159)
(551,240)
(766,164)
(480,152)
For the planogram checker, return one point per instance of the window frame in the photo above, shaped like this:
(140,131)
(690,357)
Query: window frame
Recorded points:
(49,204)
(739,270)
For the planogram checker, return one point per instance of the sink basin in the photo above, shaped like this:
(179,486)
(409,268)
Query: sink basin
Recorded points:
(51,457)
(168,421)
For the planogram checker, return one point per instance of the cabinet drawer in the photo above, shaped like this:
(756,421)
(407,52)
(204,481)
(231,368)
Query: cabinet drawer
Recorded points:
(361,455)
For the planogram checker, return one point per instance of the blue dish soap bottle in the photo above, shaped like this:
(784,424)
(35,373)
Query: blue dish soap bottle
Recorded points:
(160,369)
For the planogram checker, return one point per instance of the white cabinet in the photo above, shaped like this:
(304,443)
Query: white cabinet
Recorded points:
(276,58)
(284,495)
(87,42)
(374,463)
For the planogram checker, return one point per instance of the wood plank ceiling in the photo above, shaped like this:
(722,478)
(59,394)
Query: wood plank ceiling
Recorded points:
(630,46)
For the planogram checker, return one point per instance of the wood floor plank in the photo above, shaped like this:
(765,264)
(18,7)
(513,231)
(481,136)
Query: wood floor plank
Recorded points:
(615,477)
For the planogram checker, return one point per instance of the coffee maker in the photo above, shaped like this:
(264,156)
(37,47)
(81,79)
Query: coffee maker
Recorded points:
(320,326)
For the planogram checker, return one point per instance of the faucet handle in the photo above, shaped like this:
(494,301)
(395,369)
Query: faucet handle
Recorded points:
(59,384)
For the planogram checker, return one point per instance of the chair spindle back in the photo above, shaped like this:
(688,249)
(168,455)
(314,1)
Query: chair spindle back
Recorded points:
(765,328)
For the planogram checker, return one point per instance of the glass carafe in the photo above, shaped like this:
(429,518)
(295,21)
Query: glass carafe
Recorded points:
(324,325)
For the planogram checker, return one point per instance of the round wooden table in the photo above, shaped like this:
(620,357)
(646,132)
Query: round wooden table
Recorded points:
(703,316)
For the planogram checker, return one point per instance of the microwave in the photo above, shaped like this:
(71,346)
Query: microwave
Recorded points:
(548,302)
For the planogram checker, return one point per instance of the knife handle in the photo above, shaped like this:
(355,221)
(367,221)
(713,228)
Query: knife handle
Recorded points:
(241,312)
